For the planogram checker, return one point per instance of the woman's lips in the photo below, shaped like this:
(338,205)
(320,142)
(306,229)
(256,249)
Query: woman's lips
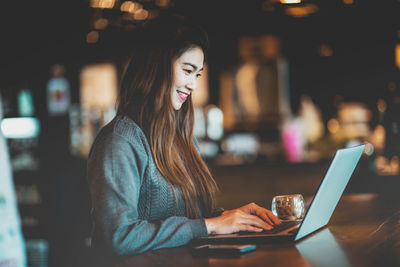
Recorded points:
(182,96)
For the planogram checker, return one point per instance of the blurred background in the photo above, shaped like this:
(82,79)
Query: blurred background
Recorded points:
(285,85)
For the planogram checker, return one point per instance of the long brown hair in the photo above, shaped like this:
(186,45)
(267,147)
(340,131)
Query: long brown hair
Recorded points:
(145,96)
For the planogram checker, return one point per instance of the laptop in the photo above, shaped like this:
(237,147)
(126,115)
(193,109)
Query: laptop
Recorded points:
(319,212)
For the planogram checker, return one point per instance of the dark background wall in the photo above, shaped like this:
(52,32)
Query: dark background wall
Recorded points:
(37,34)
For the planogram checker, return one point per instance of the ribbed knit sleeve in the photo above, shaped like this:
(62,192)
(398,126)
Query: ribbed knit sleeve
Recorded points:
(116,169)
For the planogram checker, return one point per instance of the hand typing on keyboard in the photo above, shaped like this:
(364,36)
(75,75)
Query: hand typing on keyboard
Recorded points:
(250,217)
(283,226)
(261,212)
(277,228)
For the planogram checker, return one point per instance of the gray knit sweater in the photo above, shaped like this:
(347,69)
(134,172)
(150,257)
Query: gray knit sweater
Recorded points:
(133,207)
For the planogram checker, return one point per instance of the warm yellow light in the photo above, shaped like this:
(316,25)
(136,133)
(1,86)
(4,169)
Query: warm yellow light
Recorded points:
(98,86)
(101,24)
(397,55)
(290,1)
(259,48)
(138,10)
(378,137)
(92,37)
(301,11)
(354,119)
(162,3)
(141,14)
(325,50)
(98,93)
(333,126)
(381,105)
(298,12)
(131,7)
(102,3)
(354,112)
(226,85)
(394,164)
(348,2)
(386,167)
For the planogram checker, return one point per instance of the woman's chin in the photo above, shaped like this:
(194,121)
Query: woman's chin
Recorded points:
(177,106)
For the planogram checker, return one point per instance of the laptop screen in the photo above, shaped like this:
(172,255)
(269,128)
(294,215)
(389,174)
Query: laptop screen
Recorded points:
(330,190)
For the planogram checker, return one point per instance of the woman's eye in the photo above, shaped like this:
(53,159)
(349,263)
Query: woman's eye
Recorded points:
(188,71)
(198,75)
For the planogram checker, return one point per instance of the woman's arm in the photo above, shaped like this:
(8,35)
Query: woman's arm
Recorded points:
(116,168)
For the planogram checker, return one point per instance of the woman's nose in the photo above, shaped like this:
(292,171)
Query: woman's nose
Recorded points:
(192,84)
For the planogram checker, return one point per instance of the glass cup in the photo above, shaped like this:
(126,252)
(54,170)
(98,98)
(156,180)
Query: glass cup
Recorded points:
(288,207)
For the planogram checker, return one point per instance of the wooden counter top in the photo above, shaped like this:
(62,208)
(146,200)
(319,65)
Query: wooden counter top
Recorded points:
(364,231)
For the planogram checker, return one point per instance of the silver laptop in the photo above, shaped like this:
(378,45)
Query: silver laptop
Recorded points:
(319,212)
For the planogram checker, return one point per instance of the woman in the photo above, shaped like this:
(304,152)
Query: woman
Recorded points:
(150,188)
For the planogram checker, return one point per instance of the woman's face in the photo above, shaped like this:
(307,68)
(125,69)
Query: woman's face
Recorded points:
(187,68)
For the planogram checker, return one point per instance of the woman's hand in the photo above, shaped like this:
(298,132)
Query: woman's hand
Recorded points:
(247,218)
(261,212)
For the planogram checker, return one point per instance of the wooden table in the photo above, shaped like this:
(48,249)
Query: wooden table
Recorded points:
(364,231)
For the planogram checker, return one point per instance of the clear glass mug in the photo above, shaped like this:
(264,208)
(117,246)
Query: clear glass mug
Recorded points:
(288,207)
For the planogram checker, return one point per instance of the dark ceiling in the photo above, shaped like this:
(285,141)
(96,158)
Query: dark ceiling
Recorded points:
(37,34)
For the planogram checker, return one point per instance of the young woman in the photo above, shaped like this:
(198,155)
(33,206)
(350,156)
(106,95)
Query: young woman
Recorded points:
(150,188)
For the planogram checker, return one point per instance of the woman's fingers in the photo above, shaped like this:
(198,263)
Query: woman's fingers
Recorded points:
(265,217)
(249,219)
(250,228)
(253,218)
(265,214)
(275,219)
(268,216)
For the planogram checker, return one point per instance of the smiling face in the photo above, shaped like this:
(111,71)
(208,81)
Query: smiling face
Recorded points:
(187,68)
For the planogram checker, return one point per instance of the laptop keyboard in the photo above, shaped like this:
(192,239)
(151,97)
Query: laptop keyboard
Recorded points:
(277,228)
